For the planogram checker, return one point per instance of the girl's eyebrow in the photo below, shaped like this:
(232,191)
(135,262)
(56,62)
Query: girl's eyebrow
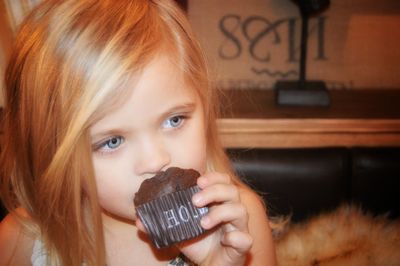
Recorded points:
(99,136)
(185,107)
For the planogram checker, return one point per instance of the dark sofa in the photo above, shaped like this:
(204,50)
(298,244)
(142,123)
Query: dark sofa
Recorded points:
(307,181)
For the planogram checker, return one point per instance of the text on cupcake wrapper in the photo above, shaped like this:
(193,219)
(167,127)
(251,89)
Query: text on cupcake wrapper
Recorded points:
(183,215)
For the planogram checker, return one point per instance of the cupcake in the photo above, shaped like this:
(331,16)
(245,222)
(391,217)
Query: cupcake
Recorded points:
(164,205)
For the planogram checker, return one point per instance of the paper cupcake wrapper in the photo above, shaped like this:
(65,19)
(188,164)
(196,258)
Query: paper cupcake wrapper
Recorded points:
(172,218)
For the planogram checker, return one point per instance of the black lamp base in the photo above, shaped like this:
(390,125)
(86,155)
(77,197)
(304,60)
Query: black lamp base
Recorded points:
(291,93)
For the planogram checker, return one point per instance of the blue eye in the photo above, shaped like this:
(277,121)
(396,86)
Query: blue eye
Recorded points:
(173,122)
(112,143)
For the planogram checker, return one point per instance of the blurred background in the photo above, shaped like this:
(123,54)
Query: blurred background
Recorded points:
(251,44)
(353,47)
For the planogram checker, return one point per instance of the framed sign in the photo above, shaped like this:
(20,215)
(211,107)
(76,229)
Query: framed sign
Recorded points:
(253,43)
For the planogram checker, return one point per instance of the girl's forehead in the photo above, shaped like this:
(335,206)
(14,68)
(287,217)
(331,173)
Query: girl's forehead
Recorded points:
(157,91)
(161,81)
(163,74)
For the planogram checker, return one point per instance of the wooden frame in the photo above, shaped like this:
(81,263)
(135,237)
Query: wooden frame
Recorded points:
(284,133)
(355,118)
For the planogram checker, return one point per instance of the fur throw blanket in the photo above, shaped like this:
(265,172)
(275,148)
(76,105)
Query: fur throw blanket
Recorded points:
(346,236)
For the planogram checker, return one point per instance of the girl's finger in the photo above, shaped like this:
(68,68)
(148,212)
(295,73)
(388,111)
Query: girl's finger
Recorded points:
(240,242)
(211,178)
(140,225)
(234,216)
(215,194)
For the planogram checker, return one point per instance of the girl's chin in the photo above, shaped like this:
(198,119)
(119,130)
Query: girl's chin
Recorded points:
(109,216)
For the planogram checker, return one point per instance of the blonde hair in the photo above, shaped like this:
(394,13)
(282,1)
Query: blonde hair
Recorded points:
(69,66)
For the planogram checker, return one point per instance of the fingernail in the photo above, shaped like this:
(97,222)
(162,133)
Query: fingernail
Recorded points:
(205,221)
(197,199)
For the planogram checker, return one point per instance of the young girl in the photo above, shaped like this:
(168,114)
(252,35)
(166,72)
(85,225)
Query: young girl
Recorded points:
(101,95)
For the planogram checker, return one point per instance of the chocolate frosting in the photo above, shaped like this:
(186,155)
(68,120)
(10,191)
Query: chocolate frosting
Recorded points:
(172,180)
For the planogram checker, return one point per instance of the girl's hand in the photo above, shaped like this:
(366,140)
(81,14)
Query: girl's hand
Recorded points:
(229,240)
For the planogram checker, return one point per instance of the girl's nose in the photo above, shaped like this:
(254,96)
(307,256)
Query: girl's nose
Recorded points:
(151,158)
